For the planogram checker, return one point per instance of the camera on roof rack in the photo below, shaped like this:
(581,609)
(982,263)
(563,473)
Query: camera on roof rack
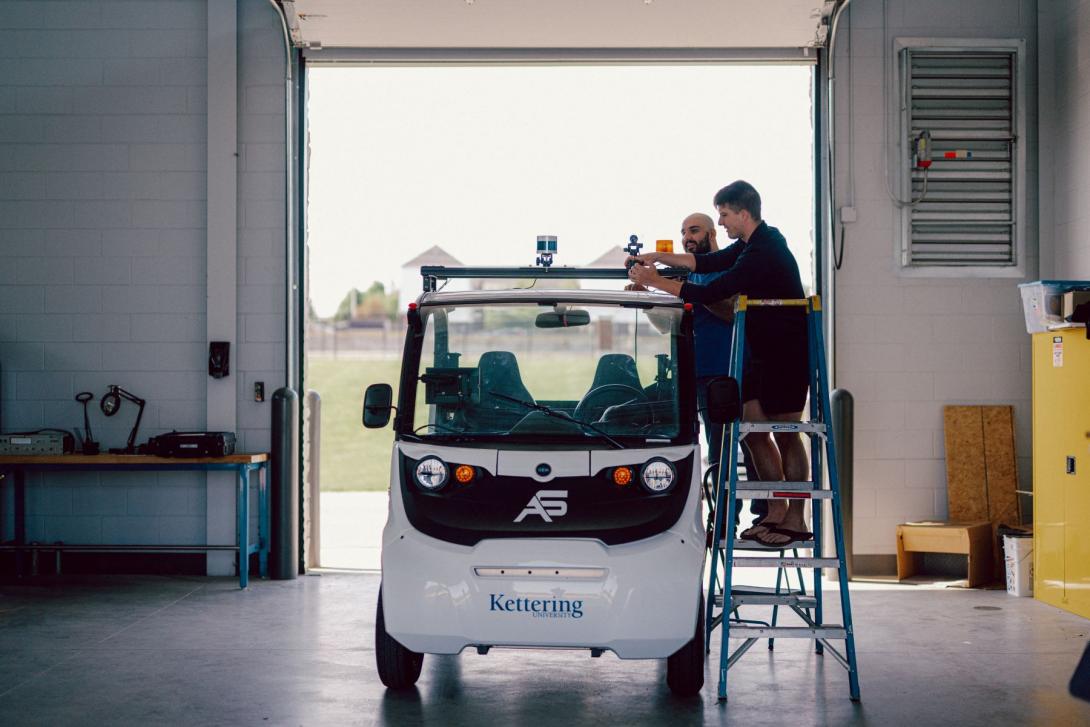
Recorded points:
(633,249)
(546,248)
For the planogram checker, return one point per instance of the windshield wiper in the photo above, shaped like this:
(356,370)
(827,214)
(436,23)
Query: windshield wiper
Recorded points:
(562,415)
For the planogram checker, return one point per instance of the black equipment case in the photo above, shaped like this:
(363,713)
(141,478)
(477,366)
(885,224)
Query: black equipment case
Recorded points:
(192,444)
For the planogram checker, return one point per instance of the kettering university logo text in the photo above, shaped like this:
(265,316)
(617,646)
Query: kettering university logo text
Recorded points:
(537,607)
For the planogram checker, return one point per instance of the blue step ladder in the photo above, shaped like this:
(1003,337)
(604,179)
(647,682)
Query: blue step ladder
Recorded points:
(729,490)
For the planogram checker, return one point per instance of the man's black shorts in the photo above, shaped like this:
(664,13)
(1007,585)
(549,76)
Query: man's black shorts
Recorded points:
(779,385)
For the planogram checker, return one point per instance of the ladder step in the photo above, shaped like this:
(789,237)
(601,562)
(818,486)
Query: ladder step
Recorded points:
(775,485)
(756,591)
(762,591)
(801,427)
(780,494)
(774,600)
(786,562)
(754,545)
(788,632)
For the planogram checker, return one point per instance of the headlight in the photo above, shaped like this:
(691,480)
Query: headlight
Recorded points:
(658,475)
(431,473)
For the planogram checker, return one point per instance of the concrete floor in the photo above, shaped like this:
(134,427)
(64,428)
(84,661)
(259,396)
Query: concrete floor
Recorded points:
(149,650)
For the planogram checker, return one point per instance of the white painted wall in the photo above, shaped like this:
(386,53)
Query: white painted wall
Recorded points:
(908,346)
(103,245)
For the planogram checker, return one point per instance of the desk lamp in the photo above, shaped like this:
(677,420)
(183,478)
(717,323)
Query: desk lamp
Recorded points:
(110,405)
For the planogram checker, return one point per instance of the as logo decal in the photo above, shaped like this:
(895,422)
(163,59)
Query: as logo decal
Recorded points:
(546,504)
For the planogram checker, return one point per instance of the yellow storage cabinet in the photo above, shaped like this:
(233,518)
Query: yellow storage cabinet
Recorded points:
(1061,469)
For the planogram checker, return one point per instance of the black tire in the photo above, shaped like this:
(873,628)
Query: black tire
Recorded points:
(398,668)
(685,669)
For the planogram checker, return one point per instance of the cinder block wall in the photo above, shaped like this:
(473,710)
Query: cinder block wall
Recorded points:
(908,346)
(103,134)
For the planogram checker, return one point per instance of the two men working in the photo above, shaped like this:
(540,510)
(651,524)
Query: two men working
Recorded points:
(775,377)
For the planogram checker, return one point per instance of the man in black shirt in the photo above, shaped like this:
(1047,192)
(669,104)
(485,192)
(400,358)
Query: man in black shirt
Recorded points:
(776,377)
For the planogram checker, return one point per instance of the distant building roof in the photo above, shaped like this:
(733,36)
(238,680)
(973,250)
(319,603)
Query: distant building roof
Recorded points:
(434,255)
(614,257)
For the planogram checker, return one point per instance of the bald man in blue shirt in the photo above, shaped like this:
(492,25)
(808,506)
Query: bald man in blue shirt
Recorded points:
(713,338)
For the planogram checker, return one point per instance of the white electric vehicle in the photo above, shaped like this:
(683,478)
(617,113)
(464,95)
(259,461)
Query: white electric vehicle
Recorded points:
(545,480)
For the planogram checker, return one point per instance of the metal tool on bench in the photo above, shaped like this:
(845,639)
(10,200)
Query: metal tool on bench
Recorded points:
(725,400)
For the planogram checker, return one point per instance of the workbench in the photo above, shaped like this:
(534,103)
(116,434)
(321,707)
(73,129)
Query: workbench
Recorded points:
(241,464)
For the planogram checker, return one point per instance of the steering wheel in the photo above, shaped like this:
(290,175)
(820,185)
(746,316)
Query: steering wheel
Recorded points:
(615,391)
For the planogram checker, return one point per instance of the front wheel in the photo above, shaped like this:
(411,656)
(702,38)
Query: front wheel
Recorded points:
(398,668)
(685,669)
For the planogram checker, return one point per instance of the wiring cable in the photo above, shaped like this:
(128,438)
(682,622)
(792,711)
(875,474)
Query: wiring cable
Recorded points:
(887,75)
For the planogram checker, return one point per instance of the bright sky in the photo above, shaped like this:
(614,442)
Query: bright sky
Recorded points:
(481,159)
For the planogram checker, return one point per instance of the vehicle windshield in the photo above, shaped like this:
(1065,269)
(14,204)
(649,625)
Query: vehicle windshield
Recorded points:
(562,370)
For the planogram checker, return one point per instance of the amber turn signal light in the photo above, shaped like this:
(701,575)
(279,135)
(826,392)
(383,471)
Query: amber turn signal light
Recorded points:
(622,476)
(464,473)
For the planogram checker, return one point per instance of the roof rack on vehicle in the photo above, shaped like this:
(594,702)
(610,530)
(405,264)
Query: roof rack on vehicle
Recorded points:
(546,248)
(434,273)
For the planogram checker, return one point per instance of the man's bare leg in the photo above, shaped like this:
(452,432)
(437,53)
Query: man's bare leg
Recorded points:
(766,458)
(796,469)
(783,460)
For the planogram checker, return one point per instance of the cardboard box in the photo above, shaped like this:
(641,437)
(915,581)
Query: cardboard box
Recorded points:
(1072,300)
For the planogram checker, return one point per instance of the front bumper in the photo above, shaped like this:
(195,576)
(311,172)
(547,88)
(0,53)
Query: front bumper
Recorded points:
(639,600)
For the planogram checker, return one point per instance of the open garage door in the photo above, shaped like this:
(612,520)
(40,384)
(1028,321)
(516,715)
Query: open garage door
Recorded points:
(616,33)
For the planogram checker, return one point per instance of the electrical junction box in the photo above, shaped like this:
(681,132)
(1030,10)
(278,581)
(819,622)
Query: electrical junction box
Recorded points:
(36,443)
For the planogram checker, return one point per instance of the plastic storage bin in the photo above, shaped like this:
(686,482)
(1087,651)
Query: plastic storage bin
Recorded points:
(1018,558)
(1042,303)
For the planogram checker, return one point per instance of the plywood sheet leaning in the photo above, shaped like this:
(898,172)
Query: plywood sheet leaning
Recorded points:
(981,469)
(1001,466)
(966,473)
(1002,474)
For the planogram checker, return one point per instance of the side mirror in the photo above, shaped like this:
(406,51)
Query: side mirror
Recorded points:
(377,403)
(724,400)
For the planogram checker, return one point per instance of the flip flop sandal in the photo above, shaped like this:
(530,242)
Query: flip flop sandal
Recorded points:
(795,535)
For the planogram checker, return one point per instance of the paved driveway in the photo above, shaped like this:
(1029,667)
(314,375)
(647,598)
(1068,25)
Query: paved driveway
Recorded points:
(352,529)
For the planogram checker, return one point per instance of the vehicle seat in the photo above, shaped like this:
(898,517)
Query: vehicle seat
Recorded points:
(613,368)
(499,372)
(616,368)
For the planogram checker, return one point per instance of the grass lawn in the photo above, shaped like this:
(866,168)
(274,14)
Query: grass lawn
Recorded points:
(354,458)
